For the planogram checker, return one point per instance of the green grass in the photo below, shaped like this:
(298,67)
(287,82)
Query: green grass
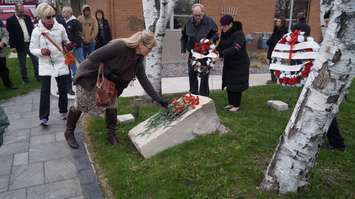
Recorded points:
(15,77)
(223,166)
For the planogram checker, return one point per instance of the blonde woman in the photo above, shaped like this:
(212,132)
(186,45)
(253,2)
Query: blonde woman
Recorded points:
(123,60)
(46,44)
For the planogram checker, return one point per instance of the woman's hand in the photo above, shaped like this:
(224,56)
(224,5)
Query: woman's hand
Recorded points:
(45,52)
(164,103)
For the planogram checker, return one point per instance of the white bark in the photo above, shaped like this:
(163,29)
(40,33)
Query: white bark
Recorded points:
(333,70)
(156,23)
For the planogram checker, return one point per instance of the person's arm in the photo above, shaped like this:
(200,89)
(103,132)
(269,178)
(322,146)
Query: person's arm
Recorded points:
(10,29)
(95,30)
(107,52)
(213,34)
(237,45)
(183,39)
(109,30)
(35,48)
(5,35)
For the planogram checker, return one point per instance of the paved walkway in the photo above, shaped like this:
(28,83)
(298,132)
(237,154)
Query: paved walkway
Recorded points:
(36,162)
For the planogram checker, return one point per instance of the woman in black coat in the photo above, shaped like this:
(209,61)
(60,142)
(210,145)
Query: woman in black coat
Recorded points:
(232,47)
(279,30)
(104,35)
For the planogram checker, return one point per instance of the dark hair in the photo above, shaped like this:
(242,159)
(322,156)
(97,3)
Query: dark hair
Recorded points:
(100,11)
(226,20)
(283,23)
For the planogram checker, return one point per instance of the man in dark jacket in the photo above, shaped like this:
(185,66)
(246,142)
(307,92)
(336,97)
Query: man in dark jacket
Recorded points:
(20,29)
(302,24)
(198,27)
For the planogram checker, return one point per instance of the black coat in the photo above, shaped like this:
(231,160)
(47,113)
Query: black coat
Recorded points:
(17,39)
(74,30)
(232,47)
(274,38)
(104,36)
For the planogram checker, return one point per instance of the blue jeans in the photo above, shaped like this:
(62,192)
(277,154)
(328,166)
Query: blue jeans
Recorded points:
(88,48)
(79,56)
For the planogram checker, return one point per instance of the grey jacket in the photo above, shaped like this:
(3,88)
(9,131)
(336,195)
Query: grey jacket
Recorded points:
(4,37)
(192,32)
(121,65)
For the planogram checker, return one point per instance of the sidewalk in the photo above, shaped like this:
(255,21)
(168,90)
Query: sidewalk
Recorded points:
(37,163)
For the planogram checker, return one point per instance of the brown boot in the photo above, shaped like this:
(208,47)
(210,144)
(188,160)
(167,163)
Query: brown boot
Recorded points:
(111,123)
(72,119)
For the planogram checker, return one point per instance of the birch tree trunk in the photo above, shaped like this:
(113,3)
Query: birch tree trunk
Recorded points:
(156,22)
(333,70)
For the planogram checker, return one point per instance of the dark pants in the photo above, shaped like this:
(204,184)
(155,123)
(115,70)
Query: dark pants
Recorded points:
(44,108)
(334,138)
(273,77)
(234,98)
(4,73)
(21,54)
(193,81)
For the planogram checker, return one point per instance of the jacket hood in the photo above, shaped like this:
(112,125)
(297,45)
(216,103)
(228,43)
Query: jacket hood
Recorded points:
(84,7)
(71,18)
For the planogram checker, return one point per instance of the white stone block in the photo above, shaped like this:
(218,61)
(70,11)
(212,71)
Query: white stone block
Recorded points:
(278,105)
(125,119)
(199,121)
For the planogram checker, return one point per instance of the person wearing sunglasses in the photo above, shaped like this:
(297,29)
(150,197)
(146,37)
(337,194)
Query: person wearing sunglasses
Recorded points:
(122,60)
(199,26)
(46,43)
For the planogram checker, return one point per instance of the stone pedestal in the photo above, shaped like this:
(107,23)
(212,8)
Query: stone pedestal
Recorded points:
(199,121)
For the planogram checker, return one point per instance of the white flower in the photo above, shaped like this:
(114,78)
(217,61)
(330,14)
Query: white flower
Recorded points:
(300,38)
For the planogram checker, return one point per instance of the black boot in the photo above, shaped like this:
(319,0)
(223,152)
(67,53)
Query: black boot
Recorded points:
(72,119)
(111,123)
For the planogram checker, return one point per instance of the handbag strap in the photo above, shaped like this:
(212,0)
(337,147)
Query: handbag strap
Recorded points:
(100,75)
(52,42)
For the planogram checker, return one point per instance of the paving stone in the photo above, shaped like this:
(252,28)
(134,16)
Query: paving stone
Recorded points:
(22,132)
(18,194)
(59,136)
(42,139)
(87,176)
(58,190)
(21,159)
(61,169)
(10,139)
(79,197)
(18,147)
(4,182)
(51,129)
(23,123)
(51,151)
(26,175)
(14,116)
(92,191)
(18,108)
(82,163)
(5,164)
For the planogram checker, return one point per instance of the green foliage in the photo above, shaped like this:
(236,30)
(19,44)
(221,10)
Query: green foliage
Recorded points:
(223,166)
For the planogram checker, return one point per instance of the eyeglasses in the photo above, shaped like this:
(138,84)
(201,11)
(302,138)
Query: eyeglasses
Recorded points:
(147,47)
(50,17)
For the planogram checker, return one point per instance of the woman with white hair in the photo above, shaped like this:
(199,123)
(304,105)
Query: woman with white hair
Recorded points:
(121,61)
(46,44)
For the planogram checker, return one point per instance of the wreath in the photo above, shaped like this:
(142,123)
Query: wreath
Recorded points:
(292,58)
(203,56)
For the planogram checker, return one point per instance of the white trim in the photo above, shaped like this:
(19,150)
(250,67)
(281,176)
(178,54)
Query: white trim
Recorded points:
(282,67)
(297,55)
(299,46)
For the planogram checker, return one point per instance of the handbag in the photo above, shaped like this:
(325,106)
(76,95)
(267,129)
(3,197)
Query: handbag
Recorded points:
(69,56)
(106,92)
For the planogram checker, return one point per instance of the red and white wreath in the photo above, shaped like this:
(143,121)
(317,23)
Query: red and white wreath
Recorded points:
(292,58)
(203,56)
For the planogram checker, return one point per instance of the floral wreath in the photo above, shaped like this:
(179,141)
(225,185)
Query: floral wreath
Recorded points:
(203,56)
(292,58)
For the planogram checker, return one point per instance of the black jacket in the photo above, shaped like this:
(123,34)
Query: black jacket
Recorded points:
(274,38)
(302,27)
(104,35)
(15,32)
(74,32)
(192,33)
(232,47)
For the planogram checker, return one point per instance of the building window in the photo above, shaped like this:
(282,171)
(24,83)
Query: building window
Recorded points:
(182,12)
(283,9)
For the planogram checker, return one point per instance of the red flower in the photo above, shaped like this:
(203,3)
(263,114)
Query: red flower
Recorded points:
(277,73)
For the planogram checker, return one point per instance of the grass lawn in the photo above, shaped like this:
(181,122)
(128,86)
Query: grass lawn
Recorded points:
(223,166)
(15,77)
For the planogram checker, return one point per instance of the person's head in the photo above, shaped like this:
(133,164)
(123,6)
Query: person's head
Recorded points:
(142,41)
(99,14)
(226,22)
(20,10)
(301,17)
(279,22)
(67,12)
(86,11)
(198,11)
(46,14)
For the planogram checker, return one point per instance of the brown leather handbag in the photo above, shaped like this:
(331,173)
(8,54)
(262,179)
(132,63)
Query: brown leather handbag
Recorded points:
(106,92)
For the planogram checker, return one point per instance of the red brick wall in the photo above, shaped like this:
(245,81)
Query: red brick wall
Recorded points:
(314,20)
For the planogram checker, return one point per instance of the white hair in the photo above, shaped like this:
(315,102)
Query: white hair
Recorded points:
(44,9)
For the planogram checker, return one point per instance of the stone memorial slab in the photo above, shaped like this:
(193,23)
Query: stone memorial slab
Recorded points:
(278,105)
(125,119)
(201,120)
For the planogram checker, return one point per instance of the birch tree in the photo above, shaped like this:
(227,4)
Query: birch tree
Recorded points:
(156,16)
(333,70)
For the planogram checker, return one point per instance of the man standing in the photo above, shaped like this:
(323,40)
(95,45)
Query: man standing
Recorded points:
(4,71)
(90,30)
(20,29)
(198,27)
(302,25)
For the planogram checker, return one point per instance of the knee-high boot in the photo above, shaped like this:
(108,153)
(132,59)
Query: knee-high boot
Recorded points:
(111,123)
(72,119)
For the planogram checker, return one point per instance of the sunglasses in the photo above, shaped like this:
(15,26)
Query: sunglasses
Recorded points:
(50,17)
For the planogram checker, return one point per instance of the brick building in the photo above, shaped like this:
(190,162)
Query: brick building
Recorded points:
(126,17)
